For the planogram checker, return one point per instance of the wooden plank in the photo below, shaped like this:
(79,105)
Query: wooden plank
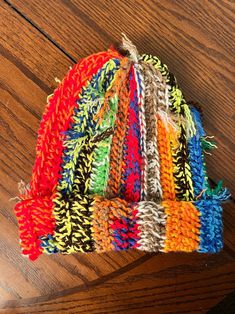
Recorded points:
(29,63)
(169,283)
(198,48)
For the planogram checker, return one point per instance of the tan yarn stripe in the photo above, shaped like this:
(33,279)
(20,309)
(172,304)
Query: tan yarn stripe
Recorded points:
(151,216)
(152,90)
(151,219)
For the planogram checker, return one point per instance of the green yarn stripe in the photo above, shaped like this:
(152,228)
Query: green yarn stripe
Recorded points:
(100,167)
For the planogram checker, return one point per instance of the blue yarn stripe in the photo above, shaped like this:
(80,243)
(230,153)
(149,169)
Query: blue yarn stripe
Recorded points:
(211,238)
(209,205)
(196,154)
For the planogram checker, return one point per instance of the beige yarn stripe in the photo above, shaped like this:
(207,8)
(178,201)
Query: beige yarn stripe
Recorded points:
(151,219)
(154,190)
(151,216)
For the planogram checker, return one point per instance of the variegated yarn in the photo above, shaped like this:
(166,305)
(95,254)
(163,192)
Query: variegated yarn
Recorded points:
(120,164)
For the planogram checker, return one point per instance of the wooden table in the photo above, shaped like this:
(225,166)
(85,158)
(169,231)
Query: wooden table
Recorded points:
(40,40)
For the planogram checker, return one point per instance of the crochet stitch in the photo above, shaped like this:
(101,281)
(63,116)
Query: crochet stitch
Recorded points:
(120,164)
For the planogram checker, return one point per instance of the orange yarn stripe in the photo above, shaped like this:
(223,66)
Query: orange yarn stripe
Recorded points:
(103,213)
(166,161)
(182,226)
(119,78)
(116,152)
(100,226)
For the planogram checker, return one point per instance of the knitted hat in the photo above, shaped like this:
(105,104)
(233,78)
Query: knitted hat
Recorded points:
(120,164)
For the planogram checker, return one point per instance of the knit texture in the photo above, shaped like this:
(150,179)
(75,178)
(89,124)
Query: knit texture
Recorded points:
(120,164)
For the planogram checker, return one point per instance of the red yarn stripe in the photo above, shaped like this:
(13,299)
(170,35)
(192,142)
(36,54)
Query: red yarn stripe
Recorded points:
(57,119)
(35,219)
(132,156)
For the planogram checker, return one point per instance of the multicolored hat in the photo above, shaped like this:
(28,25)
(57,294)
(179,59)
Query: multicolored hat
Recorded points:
(120,164)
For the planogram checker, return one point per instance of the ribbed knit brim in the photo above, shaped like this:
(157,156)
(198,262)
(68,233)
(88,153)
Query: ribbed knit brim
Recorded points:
(120,164)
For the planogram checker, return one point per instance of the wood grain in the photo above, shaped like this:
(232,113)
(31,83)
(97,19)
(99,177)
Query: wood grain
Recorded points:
(40,40)
(162,284)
